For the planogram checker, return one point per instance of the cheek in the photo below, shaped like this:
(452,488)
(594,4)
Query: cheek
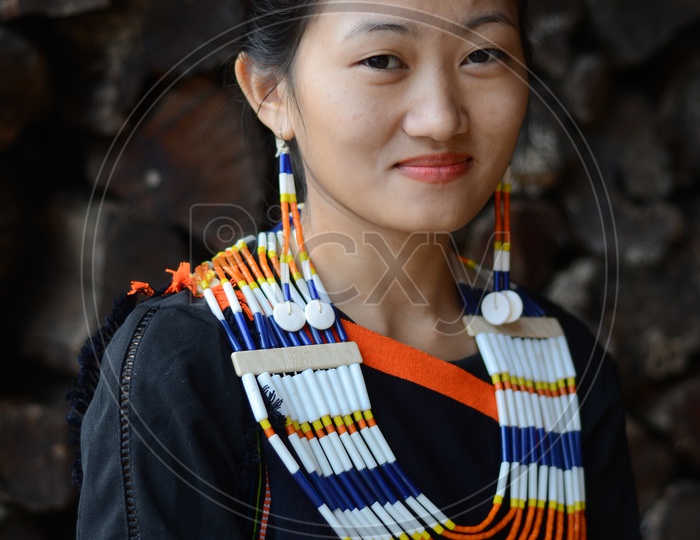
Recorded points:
(501,110)
(503,123)
(330,116)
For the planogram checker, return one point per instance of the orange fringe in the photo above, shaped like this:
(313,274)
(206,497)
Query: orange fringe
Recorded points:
(223,302)
(182,279)
(141,287)
(220,296)
(244,305)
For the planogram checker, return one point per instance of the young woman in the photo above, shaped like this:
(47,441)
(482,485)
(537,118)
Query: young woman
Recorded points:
(402,117)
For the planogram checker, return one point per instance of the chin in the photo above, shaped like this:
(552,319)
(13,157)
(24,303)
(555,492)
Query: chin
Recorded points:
(434,222)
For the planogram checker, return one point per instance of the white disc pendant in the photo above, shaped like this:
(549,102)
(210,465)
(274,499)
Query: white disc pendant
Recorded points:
(495,308)
(319,314)
(289,316)
(516,306)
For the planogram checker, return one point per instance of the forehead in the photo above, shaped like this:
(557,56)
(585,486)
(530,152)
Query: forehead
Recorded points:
(417,16)
(418,9)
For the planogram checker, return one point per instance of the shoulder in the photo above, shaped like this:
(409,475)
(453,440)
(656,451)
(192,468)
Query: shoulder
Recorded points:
(164,327)
(170,351)
(179,311)
(167,370)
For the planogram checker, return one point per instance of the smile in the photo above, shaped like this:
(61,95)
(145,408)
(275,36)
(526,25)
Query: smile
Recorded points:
(435,168)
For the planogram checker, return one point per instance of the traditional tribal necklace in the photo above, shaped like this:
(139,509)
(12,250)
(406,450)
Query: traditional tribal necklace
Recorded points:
(299,351)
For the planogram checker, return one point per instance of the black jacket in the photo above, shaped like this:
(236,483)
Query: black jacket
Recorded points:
(170,449)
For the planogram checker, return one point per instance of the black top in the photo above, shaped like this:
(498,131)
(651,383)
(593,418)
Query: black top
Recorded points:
(170,449)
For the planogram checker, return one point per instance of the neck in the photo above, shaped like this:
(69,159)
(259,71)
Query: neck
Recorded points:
(398,284)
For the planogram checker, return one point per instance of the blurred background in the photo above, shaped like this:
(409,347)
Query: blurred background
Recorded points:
(125,148)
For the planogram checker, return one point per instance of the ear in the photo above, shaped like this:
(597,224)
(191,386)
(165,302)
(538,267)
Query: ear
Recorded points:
(266,96)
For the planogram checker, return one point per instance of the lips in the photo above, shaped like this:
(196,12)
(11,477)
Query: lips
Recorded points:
(435,168)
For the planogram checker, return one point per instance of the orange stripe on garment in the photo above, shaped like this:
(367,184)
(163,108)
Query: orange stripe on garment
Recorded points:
(394,358)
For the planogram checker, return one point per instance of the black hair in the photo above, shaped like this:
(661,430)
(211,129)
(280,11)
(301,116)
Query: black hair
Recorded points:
(275,29)
(524,28)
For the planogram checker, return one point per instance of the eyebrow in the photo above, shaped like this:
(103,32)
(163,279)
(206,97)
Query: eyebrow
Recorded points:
(411,29)
(497,17)
(368,27)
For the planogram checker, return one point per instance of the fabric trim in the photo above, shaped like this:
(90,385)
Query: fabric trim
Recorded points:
(394,358)
(266,508)
(125,423)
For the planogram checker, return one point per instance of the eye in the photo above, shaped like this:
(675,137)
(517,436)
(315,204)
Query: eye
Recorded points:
(383,61)
(484,56)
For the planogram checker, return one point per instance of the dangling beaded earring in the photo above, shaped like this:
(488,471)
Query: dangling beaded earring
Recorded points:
(503,305)
(288,315)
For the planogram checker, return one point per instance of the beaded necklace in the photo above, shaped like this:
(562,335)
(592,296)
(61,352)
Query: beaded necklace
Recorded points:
(340,459)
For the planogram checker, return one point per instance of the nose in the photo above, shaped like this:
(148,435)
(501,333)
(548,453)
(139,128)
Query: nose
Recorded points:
(437,109)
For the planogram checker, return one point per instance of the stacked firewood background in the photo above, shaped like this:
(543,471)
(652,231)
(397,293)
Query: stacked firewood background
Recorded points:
(125,148)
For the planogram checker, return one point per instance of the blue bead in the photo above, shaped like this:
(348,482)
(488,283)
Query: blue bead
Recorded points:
(548,450)
(406,480)
(322,489)
(366,489)
(401,482)
(304,338)
(506,448)
(534,447)
(313,293)
(315,335)
(245,332)
(376,478)
(515,442)
(231,337)
(342,335)
(333,484)
(396,482)
(330,338)
(285,163)
(293,339)
(270,335)
(530,307)
(525,455)
(286,292)
(308,489)
(350,490)
(278,333)
(497,280)
(260,327)
(557,454)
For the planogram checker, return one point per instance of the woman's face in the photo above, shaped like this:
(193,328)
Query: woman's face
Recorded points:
(406,116)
